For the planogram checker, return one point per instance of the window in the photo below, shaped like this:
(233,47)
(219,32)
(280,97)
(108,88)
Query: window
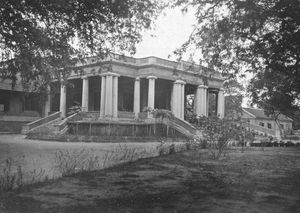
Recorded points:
(269,126)
(287,126)
(1,107)
(261,124)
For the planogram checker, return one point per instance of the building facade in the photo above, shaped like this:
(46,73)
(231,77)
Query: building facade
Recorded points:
(120,84)
(258,121)
(125,84)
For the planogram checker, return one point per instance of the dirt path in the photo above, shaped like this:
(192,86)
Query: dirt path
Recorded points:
(254,181)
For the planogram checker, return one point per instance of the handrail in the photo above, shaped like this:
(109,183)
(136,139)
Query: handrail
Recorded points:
(184,124)
(29,126)
(65,121)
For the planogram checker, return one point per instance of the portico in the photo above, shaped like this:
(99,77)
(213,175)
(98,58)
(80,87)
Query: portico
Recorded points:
(129,85)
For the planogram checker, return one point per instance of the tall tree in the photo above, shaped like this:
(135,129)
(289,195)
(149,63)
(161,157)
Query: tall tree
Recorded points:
(40,39)
(234,93)
(261,35)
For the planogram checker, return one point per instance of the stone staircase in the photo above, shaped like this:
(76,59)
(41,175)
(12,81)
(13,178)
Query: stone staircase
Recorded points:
(179,125)
(41,125)
(183,127)
(54,125)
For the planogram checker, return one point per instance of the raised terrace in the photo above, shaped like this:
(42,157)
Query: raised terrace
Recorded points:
(121,85)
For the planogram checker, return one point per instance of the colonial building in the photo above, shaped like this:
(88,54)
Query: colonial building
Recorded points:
(125,84)
(18,107)
(121,85)
(258,121)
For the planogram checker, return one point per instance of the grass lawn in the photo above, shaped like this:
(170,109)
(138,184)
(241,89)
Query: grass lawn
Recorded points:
(36,155)
(253,181)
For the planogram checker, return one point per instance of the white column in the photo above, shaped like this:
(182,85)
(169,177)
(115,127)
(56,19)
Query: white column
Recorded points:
(136,99)
(85,94)
(108,96)
(201,101)
(182,97)
(207,102)
(151,91)
(177,104)
(48,101)
(221,104)
(63,100)
(102,100)
(174,99)
(115,97)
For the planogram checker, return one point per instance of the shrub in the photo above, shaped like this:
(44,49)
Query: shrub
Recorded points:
(71,162)
(218,132)
(172,149)
(188,146)
(162,113)
(162,148)
(9,178)
(203,144)
(75,108)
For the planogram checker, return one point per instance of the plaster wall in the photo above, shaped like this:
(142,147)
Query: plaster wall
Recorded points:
(15,103)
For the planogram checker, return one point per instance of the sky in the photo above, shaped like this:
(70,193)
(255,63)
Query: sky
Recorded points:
(172,29)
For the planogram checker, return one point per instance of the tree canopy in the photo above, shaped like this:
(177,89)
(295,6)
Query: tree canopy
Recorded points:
(261,36)
(234,97)
(40,39)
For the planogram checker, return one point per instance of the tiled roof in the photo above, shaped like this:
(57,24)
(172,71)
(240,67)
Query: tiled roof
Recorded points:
(259,113)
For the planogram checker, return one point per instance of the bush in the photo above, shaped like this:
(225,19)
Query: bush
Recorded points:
(289,144)
(172,149)
(203,144)
(10,179)
(188,146)
(75,108)
(77,161)
(218,132)
(12,176)
(69,163)
(162,113)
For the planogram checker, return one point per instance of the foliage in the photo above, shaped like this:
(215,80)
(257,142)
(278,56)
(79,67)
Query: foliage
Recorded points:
(74,109)
(172,149)
(159,113)
(162,113)
(43,39)
(234,98)
(71,162)
(259,35)
(83,160)
(165,148)
(9,178)
(218,133)
(13,175)
(233,106)
(148,109)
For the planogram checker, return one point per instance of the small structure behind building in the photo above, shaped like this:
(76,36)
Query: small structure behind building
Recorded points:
(259,122)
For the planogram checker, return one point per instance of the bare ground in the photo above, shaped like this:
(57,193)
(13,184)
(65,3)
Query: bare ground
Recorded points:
(254,181)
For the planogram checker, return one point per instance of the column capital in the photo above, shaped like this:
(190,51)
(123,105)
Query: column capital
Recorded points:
(110,74)
(151,77)
(202,86)
(137,79)
(84,77)
(179,82)
(221,90)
